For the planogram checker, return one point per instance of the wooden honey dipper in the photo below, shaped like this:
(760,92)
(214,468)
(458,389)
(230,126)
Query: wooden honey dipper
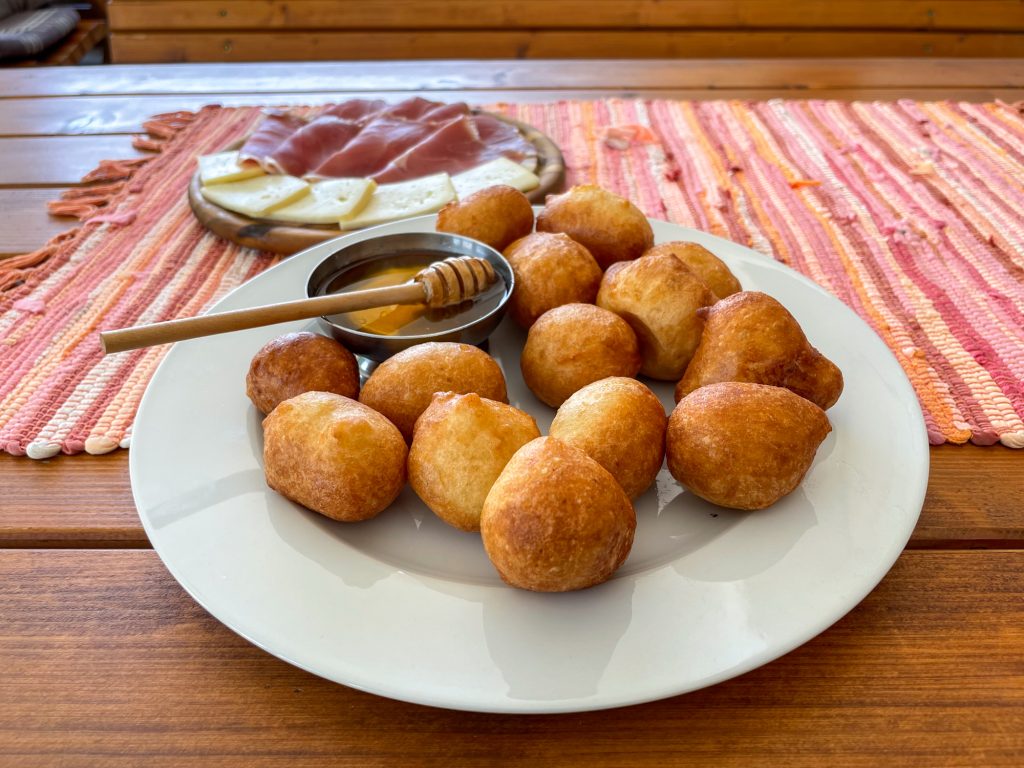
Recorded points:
(441,284)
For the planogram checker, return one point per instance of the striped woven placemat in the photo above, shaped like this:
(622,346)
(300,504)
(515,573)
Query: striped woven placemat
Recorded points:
(909,212)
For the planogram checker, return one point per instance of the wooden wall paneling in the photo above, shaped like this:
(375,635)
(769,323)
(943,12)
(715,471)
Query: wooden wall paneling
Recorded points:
(994,15)
(138,47)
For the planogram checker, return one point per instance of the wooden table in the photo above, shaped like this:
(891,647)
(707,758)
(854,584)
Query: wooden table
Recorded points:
(104,660)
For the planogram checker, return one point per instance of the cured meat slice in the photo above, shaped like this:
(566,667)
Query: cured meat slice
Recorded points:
(454,147)
(382,139)
(309,146)
(442,113)
(502,139)
(411,109)
(356,110)
(275,129)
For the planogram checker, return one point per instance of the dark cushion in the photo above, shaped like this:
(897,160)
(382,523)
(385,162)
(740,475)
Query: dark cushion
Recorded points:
(29,32)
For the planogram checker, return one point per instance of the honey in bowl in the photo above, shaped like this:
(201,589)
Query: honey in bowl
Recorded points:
(406,320)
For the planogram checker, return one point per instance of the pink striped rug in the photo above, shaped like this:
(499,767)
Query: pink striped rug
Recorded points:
(909,212)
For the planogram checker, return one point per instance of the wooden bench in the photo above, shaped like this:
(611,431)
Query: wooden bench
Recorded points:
(88,33)
(254,30)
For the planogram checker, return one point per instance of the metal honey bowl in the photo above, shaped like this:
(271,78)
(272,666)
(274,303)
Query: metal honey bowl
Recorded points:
(370,256)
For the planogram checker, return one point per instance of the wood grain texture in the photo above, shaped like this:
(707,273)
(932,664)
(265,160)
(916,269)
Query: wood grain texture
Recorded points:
(106,659)
(362,45)
(610,77)
(975,499)
(58,160)
(1004,15)
(24,223)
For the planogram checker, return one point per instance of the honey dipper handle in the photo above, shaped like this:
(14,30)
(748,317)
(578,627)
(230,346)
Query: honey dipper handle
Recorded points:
(223,322)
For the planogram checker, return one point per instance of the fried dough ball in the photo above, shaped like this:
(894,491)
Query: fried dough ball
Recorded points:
(550,270)
(300,362)
(659,298)
(620,424)
(751,337)
(743,446)
(555,520)
(459,447)
(704,264)
(609,226)
(573,345)
(333,455)
(494,215)
(402,386)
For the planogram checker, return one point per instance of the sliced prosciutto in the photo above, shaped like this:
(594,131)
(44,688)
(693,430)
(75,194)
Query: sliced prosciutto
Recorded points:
(410,109)
(356,110)
(503,139)
(445,112)
(453,147)
(275,129)
(382,139)
(311,144)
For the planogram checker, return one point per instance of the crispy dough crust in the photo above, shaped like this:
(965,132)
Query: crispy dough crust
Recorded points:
(620,424)
(460,445)
(751,337)
(573,345)
(300,362)
(333,455)
(702,262)
(659,297)
(555,520)
(494,215)
(743,446)
(551,270)
(402,386)
(609,226)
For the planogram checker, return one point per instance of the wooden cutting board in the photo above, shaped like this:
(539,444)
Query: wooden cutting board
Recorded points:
(278,237)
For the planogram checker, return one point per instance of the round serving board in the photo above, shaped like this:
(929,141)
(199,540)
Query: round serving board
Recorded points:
(277,237)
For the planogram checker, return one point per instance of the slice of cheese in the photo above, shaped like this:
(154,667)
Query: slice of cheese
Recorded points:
(259,196)
(498,171)
(391,202)
(224,167)
(328,202)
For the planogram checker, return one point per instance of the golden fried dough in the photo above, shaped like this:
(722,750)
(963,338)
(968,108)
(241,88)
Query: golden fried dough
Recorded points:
(333,455)
(659,298)
(620,424)
(550,270)
(300,362)
(402,386)
(704,264)
(494,215)
(459,447)
(750,336)
(572,345)
(555,520)
(609,226)
(743,446)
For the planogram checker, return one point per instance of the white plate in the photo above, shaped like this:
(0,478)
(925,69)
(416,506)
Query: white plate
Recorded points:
(406,607)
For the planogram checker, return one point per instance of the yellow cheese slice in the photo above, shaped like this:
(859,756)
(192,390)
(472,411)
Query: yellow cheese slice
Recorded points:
(259,196)
(499,171)
(400,201)
(328,202)
(224,167)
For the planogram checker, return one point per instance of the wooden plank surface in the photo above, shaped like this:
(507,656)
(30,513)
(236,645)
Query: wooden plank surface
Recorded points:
(106,659)
(326,45)
(610,77)
(975,499)
(24,223)
(1002,15)
(57,160)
